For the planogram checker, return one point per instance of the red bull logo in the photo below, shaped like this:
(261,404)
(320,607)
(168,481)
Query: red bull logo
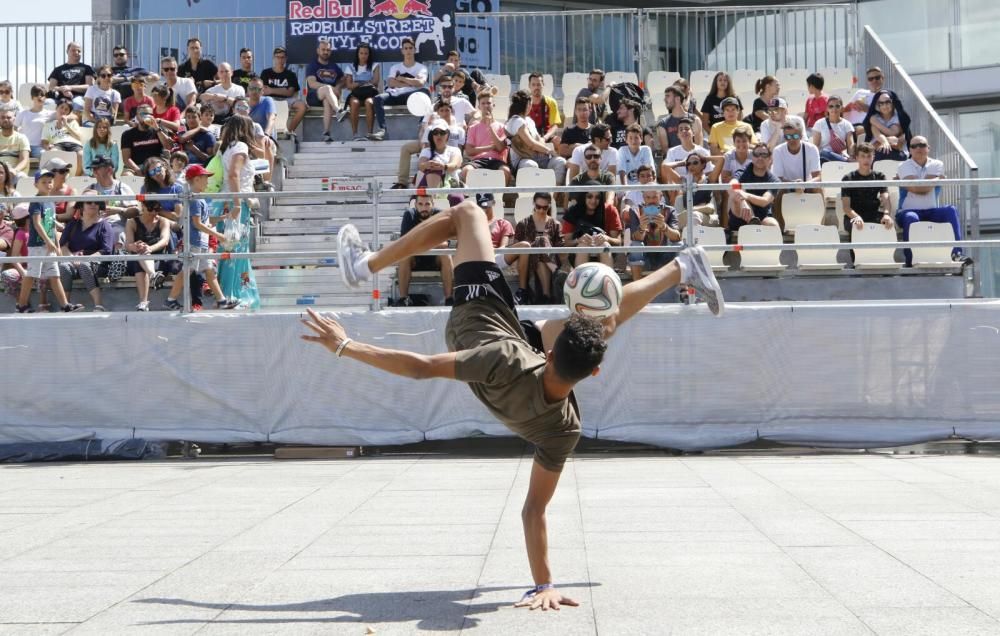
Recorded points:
(326,9)
(399,9)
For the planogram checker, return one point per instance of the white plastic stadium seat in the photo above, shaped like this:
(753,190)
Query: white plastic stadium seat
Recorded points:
(26,186)
(836,78)
(617,77)
(116,133)
(712,236)
(874,258)
(835,171)
(656,83)
(523,208)
(483,178)
(572,83)
(133,181)
(548,83)
(538,178)
(701,82)
(502,82)
(796,99)
(744,80)
(933,257)
(65,155)
(802,209)
(24,94)
(501,106)
(79,183)
(760,260)
(792,78)
(818,259)
(890,168)
(281,116)
(86,134)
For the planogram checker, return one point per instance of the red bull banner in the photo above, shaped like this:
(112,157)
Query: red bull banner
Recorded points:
(382,24)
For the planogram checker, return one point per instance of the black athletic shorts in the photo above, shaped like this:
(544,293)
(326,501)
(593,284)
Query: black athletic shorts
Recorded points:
(482,279)
(487,163)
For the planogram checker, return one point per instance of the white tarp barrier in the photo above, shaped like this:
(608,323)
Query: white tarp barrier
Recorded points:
(857,374)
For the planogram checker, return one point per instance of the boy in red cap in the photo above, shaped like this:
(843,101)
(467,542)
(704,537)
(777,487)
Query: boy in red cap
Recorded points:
(198,232)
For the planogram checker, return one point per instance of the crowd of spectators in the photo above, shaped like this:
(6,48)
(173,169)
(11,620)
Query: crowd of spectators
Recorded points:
(199,113)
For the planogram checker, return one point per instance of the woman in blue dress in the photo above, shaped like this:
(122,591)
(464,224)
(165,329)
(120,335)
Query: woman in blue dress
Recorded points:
(236,275)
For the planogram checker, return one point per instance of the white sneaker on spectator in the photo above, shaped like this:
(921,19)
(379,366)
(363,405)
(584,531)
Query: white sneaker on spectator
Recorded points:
(702,279)
(351,254)
(142,306)
(341,114)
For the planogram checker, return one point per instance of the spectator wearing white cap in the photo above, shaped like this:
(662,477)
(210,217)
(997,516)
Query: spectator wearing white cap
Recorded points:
(771,129)
(439,162)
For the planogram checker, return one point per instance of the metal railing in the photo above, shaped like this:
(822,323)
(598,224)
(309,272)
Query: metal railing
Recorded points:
(926,122)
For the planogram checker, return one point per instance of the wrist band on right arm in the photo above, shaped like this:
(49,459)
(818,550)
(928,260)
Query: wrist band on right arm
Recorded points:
(343,345)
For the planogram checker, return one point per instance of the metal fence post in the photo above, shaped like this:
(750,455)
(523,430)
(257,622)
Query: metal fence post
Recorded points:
(375,195)
(186,256)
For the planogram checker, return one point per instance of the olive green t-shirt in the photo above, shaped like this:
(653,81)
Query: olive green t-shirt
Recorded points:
(505,373)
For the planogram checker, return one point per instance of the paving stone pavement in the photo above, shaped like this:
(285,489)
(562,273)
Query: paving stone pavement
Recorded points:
(650,544)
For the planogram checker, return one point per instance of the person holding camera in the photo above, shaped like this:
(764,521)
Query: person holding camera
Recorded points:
(592,222)
(142,141)
(653,224)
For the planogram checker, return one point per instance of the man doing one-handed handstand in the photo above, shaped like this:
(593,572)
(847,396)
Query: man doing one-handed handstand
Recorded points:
(523,372)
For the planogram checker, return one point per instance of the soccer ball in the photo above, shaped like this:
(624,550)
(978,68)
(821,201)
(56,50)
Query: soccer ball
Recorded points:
(593,289)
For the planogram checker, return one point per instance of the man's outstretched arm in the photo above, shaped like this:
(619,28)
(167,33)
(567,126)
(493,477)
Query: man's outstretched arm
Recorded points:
(332,335)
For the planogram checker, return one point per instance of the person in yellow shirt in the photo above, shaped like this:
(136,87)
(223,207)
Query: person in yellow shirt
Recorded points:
(720,140)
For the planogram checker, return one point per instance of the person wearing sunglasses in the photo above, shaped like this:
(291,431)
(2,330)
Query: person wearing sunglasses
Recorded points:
(673,168)
(439,162)
(7,99)
(101,101)
(185,91)
(922,203)
(590,221)
(592,173)
(125,74)
(750,200)
(600,139)
(71,80)
(856,109)
(834,135)
(539,229)
(887,126)
(796,160)
(31,121)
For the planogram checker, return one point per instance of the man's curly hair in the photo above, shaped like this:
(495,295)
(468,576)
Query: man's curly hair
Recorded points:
(580,348)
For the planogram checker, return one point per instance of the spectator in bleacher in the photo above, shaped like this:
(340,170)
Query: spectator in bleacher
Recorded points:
(262,108)
(653,224)
(125,76)
(60,173)
(795,161)
(455,111)
(772,130)
(14,242)
(596,95)
(460,106)
(101,101)
(711,107)
(865,205)
(62,132)
(87,234)
(178,165)
(71,80)
(324,79)
(720,139)
(137,96)
(456,127)
(31,121)
(857,109)
(236,277)
(404,79)
(197,232)
(543,109)
(101,144)
(527,148)
(591,222)
(473,81)
(197,142)
(540,229)
(282,84)
(439,162)
(197,68)
(922,203)
(245,72)
(42,242)
(159,179)
(767,89)
(165,111)
(754,205)
(486,142)
(593,173)
(501,234)
(7,228)
(673,169)
(184,89)
(106,184)
(578,134)
(817,100)
(702,208)
(364,77)
(264,147)
(666,127)
(736,160)
(8,100)
(149,233)
(834,135)
(628,113)
(207,117)
(600,139)
(15,151)
(632,155)
(142,141)
(423,210)
(887,126)
(690,104)
(221,97)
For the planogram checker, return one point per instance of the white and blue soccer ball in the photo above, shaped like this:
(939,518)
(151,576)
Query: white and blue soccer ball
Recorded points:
(593,289)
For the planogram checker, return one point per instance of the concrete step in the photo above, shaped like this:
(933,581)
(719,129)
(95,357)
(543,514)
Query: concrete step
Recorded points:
(311,148)
(327,225)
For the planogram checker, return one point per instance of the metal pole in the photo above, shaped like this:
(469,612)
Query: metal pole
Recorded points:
(186,256)
(375,196)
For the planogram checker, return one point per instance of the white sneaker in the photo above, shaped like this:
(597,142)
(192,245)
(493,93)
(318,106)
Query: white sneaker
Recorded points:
(350,251)
(702,279)
(341,114)
(142,306)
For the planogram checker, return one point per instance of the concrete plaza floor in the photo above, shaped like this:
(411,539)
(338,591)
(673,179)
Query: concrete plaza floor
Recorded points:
(650,544)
